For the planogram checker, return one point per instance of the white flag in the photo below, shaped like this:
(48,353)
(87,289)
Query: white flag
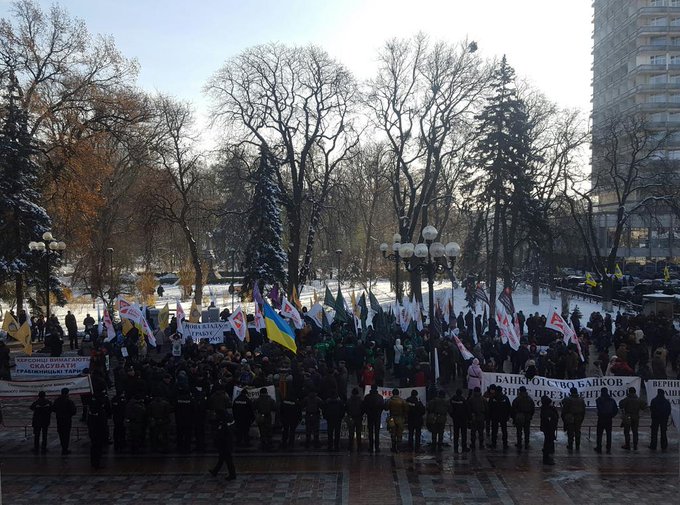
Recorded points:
(238,323)
(259,318)
(290,311)
(556,322)
(506,328)
(179,317)
(461,347)
(316,314)
(110,332)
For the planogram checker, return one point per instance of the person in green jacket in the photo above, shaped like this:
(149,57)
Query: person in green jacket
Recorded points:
(573,413)
(630,407)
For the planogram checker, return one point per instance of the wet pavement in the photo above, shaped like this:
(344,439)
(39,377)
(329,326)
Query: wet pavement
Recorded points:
(321,478)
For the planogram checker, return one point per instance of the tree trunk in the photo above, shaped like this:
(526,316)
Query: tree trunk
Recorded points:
(196,262)
(493,263)
(416,285)
(19,290)
(309,249)
(293,249)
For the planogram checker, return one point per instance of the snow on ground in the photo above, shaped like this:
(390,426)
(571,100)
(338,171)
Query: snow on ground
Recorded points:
(381,290)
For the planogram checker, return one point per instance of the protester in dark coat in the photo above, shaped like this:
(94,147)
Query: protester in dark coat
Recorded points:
(42,414)
(224,443)
(660,409)
(64,409)
(549,421)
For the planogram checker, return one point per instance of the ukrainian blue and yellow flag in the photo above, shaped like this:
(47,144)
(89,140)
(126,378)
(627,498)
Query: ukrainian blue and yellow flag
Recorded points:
(278,330)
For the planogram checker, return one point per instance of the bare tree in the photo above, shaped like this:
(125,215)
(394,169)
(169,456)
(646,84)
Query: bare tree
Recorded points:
(423,100)
(630,174)
(63,71)
(299,103)
(175,196)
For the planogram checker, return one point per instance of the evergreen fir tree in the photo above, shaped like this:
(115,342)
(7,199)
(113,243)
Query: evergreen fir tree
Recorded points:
(265,258)
(502,157)
(22,218)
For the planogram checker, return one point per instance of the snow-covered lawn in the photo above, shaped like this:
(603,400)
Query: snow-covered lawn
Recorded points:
(219,292)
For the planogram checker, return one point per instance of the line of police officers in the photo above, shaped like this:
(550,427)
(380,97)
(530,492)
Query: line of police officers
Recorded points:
(480,414)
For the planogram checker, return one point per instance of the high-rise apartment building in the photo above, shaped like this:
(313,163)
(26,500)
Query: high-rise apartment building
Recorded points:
(636,70)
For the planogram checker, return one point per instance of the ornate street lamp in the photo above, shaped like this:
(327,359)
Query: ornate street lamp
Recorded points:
(45,246)
(430,258)
(338,253)
(394,256)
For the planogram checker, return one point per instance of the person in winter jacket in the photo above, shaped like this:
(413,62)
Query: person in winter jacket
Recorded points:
(244,415)
(333,411)
(499,412)
(460,413)
(479,411)
(573,413)
(660,409)
(42,414)
(355,418)
(549,421)
(630,407)
(64,410)
(398,409)
(474,376)
(606,411)
(291,415)
(416,411)
(522,411)
(436,419)
(373,406)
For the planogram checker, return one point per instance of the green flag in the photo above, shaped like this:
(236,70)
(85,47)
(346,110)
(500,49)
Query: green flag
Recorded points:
(340,312)
(375,306)
(363,312)
(328,299)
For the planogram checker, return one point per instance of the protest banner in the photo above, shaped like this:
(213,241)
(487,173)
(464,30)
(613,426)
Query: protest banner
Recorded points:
(670,387)
(64,366)
(213,332)
(557,389)
(254,392)
(53,387)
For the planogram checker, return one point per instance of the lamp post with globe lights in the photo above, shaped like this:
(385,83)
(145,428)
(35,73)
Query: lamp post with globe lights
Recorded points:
(394,256)
(45,246)
(430,258)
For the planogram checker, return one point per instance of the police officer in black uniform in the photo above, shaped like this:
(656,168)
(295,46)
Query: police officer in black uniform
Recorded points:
(224,442)
(291,415)
(183,418)
(97,426)
(244,415)
(118,404)
(64,409)
(42,414)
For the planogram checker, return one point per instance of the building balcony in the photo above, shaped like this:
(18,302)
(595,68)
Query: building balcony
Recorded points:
(655,11)
(656,68)
(655,30)
(655,48)
(657,86)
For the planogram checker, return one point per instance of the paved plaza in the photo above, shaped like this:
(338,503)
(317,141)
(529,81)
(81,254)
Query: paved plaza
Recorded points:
(319,478)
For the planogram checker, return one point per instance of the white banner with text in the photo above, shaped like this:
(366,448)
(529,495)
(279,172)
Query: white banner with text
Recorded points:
(670,387)
(30,389)
(557,389)
(45,366)
(212,332)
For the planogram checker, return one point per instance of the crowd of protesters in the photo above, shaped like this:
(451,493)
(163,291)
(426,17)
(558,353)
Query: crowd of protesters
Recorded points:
(184,394)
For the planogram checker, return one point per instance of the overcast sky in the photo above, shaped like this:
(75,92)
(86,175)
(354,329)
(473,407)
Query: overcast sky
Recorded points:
(179,44)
